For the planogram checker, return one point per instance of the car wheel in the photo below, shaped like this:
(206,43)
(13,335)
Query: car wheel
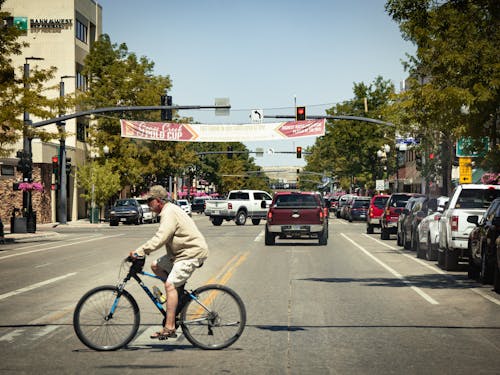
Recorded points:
(406,243)
(384,234)
(241,218)
(113,223)
(323,237)
(472,270)
(217,221)
(255,221)
(450,260)
(418,249)
(430,252)
(398,239)
(369,229)
(269,239)
(485,274)
(496,279)
(414,242)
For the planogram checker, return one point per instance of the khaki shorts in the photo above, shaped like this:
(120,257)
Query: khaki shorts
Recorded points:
(179,272)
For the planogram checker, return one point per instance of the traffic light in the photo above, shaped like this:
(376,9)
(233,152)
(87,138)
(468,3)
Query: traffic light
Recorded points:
(55,168)
(229,152)
(299,152)
(300,113)
(68,165)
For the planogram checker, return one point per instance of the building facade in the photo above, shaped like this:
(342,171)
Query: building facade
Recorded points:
(60,33)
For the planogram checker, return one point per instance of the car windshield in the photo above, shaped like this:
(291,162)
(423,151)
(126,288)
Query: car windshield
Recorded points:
(380,202)
(360,203)
(296,200)
(126,202)
(477,198)
(182,203)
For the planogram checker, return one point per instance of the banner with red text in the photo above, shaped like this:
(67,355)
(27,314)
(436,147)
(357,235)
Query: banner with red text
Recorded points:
(168,131)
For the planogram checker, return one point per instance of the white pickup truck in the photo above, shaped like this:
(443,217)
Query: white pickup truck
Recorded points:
(454,230)
(239,205)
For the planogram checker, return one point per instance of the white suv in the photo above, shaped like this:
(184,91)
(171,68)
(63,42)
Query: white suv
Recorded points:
(148,216)
(454,230)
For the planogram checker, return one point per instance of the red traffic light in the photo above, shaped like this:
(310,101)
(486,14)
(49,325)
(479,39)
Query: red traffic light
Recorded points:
(55,159)
(299,152)
(300,113)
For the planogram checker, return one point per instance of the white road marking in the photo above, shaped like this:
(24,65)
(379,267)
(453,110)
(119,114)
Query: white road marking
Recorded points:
(417,290)
(9,337)
(58,246)
(35,286)
(437,270)
(259,237)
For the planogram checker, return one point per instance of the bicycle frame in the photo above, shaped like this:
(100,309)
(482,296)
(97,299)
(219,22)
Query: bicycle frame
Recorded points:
(180,291)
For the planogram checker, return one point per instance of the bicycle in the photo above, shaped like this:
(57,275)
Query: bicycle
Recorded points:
(107,317)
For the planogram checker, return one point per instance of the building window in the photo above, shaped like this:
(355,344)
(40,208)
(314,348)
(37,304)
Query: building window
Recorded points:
(81,31)
(81,81)
(7,170)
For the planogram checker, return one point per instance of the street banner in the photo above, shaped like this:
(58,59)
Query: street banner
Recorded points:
(169,131)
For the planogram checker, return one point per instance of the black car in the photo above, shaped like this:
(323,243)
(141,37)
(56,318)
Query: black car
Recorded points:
(198,204)
(359,208)
(404,222)
(482,243)
(126,211)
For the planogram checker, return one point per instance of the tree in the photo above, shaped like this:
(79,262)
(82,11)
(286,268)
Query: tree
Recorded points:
(18,95)
(348,150)
(99,181)
(457,54)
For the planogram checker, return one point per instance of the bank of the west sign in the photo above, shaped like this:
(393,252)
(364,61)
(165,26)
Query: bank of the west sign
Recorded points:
(51,23)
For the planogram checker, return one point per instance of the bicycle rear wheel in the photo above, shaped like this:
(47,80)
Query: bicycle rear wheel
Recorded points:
(97,328)
(215,319)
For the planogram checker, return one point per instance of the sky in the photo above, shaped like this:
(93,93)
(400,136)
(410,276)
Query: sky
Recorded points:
(261,54)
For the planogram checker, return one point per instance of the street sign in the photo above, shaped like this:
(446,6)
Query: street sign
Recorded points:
(257,115)
(466,148)
(379,185)
(465,170)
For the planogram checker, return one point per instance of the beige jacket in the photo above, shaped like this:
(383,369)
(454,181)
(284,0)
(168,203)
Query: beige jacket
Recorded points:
(179,234)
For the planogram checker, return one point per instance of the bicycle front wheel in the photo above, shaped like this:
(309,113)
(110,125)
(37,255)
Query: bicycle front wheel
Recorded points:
(97,328)
(215,319)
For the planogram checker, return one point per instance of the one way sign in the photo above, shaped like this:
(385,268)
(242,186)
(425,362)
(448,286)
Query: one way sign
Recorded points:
(257,115)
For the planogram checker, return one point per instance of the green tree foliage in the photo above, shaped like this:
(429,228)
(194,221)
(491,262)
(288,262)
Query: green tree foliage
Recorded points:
(348,150)
(457,52)
(18,95)
(99,181)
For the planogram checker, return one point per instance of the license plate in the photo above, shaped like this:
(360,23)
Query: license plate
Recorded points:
(123,219)
(216,212)
(295,227)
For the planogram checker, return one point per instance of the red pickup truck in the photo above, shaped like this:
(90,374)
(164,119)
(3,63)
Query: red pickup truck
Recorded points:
(297,215)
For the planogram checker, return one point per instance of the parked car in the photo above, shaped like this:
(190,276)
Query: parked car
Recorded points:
(358,209)
(185,205)
(343,200)
(334,203)
(198,204)
(344,210)
(389,219)
(405,221)
(496,281)
(454,229)
(296,215)
(375,210)
(126,211)
(482,243)
(428,231)
(148,216)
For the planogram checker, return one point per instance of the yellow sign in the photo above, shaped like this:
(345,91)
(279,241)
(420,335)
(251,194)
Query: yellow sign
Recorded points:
(465,170)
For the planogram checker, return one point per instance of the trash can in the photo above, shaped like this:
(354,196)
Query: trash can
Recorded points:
(94,215)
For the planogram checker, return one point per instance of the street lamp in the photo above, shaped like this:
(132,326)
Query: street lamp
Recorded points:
(27,153)
(63,192)
(383,155)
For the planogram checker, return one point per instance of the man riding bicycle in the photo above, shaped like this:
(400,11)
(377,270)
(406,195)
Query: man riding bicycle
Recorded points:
(186,250)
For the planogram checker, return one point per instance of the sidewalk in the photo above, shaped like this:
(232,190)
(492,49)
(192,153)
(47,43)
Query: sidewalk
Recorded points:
(45,231)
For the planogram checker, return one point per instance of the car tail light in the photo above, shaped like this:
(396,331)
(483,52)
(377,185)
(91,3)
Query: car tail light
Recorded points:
(454,223)
(269,216)
(321,215)
(229,206)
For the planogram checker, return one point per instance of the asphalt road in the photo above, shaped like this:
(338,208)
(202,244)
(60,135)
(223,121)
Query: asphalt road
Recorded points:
(356,306)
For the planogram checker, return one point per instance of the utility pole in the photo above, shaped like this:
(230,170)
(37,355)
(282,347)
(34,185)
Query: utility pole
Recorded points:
(63,179)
